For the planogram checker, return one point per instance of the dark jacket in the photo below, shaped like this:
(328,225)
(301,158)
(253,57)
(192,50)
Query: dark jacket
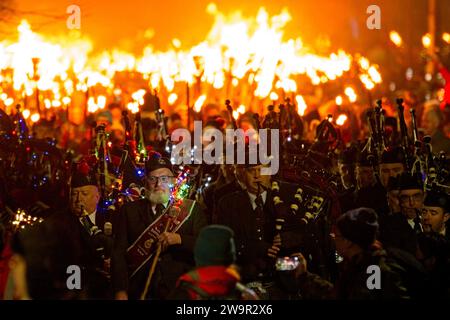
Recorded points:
(374,197)
(352,282)
(133,219)
(69,243)
(396,232)
(252,242)
(220,192)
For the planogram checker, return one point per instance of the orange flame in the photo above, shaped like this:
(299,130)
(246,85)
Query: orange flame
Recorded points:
(446,37)
(395,38)
(199,103)
(426,40)
(301,105)
(341,119)
(250,50)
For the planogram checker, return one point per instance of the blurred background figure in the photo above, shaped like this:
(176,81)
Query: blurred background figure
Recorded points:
(433,122)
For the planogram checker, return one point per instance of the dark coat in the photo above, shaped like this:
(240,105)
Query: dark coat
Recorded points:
(133,219)
(352,282)
(374,197)
(235,211)
(220,192)
(397,233)
(73,245)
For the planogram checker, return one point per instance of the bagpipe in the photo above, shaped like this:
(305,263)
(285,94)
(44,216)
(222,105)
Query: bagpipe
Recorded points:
(120,174)
(376,142)
(303,164)
(419,158)
(309,166)
(432,168)
(117,171)
(163,133)
(31,169)
(33,175)
(306,170)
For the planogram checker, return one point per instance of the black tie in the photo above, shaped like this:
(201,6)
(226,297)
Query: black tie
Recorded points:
(259,219)
(259,202)
(87,223)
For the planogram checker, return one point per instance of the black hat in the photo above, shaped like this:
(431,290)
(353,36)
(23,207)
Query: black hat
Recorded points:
(437,199)
(83,174)
(359,226)
(348,156)
(407,181)
(393,155)
(215,246)
(157,161)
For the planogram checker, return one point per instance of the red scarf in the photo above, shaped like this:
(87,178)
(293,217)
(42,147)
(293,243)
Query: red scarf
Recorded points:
(213,280)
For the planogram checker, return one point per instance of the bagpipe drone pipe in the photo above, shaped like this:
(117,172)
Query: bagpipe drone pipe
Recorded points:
(31,170)
(310,196)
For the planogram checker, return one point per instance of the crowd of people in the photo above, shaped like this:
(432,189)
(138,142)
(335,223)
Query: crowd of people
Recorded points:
(365,195)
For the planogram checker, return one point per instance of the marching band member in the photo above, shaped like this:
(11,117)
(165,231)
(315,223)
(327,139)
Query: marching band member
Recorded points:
(134,218)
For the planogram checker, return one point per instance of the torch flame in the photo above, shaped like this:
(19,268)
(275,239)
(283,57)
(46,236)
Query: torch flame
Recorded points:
(26,114)
(199,103)
(241,109)
(274,96)
(8,102)
(350,93)
(172,98)
(374,74)
(366,81)
(237,51)
(341,119)
(35,117)
(101,101)
(426,40)
(301,105)
(446,37)
(395,38)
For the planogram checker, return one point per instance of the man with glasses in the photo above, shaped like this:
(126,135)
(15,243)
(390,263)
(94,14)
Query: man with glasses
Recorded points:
(177,247)
(400,229)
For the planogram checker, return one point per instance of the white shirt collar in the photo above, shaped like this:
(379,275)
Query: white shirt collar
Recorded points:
(253,198)
(92,216)
(411,223)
